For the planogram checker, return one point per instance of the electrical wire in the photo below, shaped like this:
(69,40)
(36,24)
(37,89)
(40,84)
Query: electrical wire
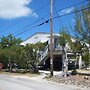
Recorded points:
(42,7)
(72,12)
(55,7)
(32,27)
(55,11)
(52,18)
(29,25)
(73,5)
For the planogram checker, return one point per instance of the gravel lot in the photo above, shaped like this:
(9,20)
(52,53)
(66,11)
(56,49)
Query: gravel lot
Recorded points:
(78,80)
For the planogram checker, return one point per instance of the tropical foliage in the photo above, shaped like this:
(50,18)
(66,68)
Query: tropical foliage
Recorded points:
(82,31)
(24,57)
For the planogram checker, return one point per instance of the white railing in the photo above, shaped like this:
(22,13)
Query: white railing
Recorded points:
(44,53)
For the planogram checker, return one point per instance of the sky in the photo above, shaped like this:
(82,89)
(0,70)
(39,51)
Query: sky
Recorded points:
(18,16)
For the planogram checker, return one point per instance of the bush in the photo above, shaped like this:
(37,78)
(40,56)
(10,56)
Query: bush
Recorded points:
(85,58)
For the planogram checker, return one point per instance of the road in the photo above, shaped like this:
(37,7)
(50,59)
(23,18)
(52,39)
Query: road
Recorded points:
(9,82)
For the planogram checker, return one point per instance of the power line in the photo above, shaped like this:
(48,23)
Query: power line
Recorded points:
(73,5)
(29,25)
(25,31)
(45,5)
(52,18)
(32,28)
(71,12)
(55,10)
(55,7)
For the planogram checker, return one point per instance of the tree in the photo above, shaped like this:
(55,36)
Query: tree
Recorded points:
(9,41)
(82,26)
(3,57)
(31,57)
(8,47)
(63,40)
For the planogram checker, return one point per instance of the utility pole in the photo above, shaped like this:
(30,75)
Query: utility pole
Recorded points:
(51,40)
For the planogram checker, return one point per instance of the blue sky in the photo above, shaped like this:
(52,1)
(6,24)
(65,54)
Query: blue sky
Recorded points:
(16,14)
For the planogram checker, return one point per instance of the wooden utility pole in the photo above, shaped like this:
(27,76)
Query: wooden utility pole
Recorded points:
(51,40)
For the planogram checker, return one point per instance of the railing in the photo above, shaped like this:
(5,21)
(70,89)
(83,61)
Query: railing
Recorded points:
(44,53)
(58,48)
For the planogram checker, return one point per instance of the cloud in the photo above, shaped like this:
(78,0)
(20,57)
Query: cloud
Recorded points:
(66,11)
(35,15)
(15,8)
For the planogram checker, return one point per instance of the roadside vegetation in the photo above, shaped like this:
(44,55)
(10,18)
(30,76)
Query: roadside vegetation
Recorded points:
(19,58)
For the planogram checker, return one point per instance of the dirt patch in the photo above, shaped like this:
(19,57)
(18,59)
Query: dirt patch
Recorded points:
(78,80)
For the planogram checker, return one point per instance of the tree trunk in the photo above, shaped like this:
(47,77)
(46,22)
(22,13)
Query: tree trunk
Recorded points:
(80,61)
(64,62)
(34,68)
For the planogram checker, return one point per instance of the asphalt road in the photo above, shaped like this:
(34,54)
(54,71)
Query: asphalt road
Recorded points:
(8,82)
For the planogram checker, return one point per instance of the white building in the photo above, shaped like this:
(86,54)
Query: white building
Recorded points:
(37,37)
